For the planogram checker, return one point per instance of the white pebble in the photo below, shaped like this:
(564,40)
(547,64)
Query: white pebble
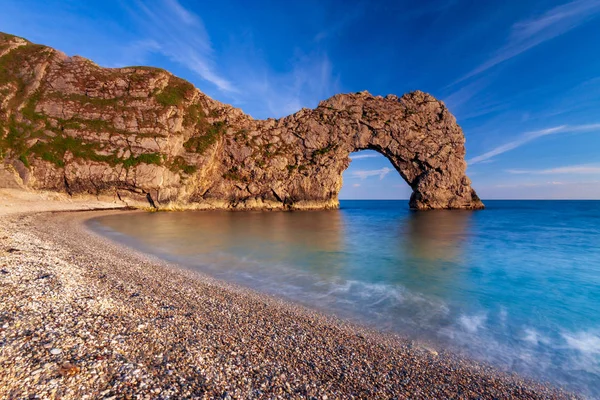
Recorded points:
(55,351)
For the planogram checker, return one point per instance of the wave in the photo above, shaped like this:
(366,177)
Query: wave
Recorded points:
(472,323)
(533,337)
(584,342)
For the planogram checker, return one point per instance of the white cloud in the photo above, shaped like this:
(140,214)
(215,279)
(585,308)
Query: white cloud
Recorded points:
(187,17)
(527,34)
(181,36)
(572,169)
(349,15)
(460,97)
(533,184)
(239,72)
(529,136)
(134,53)
(364,174)
(310,80)
(361,156)
(520,141)
(356,185)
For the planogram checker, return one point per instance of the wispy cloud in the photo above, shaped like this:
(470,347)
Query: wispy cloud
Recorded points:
(520,141)
(183,14)
(134,53)
(181,36)
(458,98)
(527,34)
(364,174)
(361,156)
(587,189)
(335,27)
(532,184)
(530,136)
(269,93)
(571,169)
(239,72)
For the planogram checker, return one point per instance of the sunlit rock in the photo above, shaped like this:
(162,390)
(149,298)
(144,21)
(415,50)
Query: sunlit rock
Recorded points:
(141,133)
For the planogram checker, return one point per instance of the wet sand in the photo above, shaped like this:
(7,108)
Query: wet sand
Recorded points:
(82,317)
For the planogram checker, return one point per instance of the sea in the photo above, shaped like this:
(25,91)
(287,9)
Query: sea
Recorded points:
(516,285)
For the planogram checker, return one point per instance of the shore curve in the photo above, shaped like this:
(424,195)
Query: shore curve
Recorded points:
(83,317)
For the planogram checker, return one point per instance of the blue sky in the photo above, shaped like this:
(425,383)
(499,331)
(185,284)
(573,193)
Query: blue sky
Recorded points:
(522,77)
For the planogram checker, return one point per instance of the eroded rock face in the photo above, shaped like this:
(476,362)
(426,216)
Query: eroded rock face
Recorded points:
(68,125)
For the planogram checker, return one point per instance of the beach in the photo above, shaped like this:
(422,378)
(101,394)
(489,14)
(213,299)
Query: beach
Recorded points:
(83,317)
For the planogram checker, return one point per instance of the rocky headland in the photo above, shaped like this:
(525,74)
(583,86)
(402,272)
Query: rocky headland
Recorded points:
(142,135)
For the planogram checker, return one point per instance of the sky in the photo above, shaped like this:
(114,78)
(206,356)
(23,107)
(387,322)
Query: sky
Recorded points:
(521,77)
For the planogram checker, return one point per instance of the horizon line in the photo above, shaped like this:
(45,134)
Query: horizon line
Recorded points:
(493,199)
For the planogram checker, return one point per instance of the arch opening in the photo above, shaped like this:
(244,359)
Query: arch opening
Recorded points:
(372,176)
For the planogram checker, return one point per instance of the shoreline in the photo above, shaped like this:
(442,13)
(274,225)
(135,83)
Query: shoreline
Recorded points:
(84,316)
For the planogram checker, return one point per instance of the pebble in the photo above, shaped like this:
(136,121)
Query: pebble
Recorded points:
(190,336)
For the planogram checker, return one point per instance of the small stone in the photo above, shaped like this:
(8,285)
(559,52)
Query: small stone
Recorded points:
(68,369)
(55,351)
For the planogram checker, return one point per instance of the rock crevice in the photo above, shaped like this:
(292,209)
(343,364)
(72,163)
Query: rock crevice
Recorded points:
(69,125)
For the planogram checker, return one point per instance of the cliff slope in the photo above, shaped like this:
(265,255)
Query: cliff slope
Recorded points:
(141,133)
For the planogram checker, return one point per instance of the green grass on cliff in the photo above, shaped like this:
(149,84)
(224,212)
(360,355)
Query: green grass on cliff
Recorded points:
(207,133)
(199,144)
(174,93)
(7,36)
(29,134)
(28,111)
(13,141)
(194,116)
(324,150)
(178,164)
(145,158)
(54,149)
(12,63)
(82,99)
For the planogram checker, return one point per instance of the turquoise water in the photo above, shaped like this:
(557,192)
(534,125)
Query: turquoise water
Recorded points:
(517,284)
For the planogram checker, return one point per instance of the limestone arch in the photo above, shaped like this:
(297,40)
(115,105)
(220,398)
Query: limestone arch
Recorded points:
(416,133)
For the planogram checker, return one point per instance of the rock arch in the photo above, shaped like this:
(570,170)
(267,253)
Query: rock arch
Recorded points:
(416,133)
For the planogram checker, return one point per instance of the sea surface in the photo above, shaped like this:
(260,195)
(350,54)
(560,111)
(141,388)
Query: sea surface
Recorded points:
(516,285)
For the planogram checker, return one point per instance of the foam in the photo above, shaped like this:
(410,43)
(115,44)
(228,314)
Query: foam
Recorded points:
(472,323)
(584,342)
(534,337)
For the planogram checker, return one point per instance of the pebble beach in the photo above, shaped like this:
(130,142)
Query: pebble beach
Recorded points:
(85,318)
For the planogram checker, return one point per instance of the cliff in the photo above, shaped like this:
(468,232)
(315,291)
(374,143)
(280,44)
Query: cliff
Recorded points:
(140,133)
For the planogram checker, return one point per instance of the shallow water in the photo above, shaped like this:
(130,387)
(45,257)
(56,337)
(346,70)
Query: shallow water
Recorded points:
(517,284)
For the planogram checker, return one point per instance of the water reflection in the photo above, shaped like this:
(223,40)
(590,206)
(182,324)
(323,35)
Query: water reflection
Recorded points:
(431,252)
(331,244)
(437,235)
(311,240)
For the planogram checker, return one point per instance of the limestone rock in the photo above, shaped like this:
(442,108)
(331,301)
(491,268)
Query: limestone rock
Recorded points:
(140,132)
